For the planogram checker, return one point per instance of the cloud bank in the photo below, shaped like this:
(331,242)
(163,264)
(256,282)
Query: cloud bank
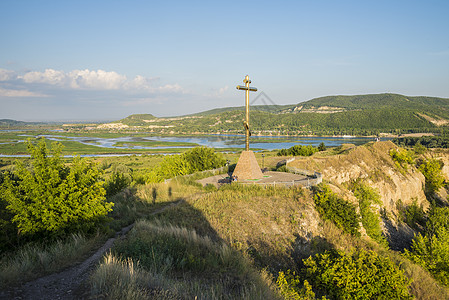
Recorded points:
(28,84)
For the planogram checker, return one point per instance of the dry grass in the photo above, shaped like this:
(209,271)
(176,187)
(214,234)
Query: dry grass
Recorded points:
(264,222)
(123,278)
(371,158)
(272,227)
(34,261)
(142,200)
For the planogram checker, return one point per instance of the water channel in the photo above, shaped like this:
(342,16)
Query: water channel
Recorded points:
(257,143)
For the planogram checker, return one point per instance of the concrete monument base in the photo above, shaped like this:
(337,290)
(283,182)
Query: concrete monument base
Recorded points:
(247,167)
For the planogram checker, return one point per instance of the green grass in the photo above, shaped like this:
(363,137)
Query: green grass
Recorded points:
(76,148)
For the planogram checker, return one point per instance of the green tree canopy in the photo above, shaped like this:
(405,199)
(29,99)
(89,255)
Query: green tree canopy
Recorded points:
(50,197)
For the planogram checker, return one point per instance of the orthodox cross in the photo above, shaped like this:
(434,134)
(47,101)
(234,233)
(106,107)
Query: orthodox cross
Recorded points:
(247,88)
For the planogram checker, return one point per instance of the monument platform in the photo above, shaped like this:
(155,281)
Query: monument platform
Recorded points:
(247,167)
(268,178)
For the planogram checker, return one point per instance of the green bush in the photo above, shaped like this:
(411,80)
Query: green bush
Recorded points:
(51,198)
(360,275)
(431,170)
(203,158)
(191,161)
(413,215)
(292,287)
(367,197)
(337,210)
(322,147)
(402,158)
(117,182)
(418,148)
(298,150)
(431,250)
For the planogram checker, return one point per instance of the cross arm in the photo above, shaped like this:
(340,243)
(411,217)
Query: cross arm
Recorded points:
(251,89)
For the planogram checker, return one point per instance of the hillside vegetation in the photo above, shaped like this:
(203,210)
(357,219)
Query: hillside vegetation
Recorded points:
(376,228)
(293,243)
(332,115)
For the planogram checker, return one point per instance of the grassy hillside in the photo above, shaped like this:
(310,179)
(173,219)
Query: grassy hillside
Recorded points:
(253,242)
(332,115)
(232,244)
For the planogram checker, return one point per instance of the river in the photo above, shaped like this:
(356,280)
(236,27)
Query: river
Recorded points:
(257,143)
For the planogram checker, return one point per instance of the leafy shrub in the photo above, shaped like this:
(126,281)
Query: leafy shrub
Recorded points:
(431,170)
(431,250)
(402,158)
(51,198)
(413,215)
(360,275)
(337,210)
(117,182)
(282,168)
(298,150)
(171,166)
(292,287)
(203,158)
(367,196)
(322,147)
(194,160)
(419,148)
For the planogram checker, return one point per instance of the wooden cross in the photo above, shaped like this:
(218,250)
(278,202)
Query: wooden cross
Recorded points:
(247,88)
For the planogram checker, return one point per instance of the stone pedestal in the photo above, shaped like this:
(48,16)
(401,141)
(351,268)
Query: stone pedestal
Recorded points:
(247,167)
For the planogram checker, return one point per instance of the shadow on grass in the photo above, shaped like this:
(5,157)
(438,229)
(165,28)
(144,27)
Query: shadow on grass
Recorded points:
(177,245)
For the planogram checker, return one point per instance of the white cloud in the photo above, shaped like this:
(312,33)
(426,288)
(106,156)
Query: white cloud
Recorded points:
(49,76)
(100,79)
(91,79)
(6,75)
(19,93)
(140,83)
(223,90)
(59,84)
(77,79)
(171,88)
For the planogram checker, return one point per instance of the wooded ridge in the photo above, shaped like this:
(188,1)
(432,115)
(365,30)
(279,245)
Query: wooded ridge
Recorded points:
(331,115)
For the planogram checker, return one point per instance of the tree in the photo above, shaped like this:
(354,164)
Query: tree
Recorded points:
(322,147)
(51,198)
(203,158)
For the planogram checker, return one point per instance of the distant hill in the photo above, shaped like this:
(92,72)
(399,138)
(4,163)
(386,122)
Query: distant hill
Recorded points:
(7,123)
(378,101)
(263,108)
(331,115)
(137,119)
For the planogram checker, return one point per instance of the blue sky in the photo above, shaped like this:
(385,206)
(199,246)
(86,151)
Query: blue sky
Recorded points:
(105,60)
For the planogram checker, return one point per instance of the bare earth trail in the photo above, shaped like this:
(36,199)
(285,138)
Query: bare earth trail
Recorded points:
(66,284)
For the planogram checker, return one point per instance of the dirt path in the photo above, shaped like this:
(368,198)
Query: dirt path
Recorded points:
(66,284)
